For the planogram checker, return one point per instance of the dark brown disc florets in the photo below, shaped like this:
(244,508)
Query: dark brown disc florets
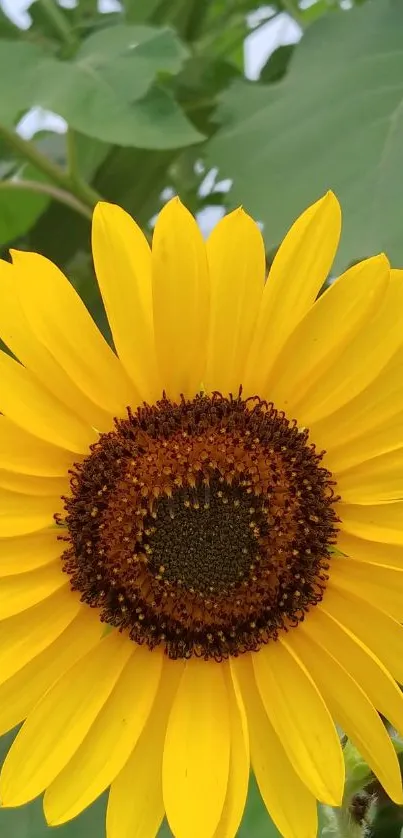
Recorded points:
(204,526)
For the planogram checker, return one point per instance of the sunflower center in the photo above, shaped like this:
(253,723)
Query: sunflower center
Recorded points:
(207,543)
(205,526)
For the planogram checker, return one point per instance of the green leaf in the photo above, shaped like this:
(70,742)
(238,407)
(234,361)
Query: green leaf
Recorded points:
(20,208)
(155,122)
(18,211)
(277,64)
(335,121)
(107,91)
(18,62)
(8,29)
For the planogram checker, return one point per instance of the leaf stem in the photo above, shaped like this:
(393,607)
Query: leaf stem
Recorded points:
(28,151)
(57,19)
(292,8)
(54,192)
(71,149)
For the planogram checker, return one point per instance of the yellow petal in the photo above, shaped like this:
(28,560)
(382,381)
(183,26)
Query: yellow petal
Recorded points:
(180,299)
(60,320)
(59,722)
(122,259)
(380,522)
(358,425)
(26,589)
(370,551)
(22,452)
(239,768)
(299,269)
(352,709)
(135,807)
(110,740)
(305,727)
(275,776)
(26,635)
(378,583)
(360,662)
(363,448)
(374,481)
(380,632)
(27,552)
(20,693)
(197,752)
(17,333)
(315,344)
(21,513)
(359,364)
(35,410)
(34,484)
(236,260)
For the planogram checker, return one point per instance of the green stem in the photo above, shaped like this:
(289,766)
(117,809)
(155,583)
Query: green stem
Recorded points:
(72,160)
(28,151)
(48,189)
(57,19)
(292,8)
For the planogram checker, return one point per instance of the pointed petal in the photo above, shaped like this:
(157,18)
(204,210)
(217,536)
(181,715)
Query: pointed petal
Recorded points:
(197,752)
(239,769)
(30,551)
(376,552)
(122,259)
(359,364)
(24,453)
(17,333)
(110,740)
(61,322)
(358,425)
(25,635)
(20,692)
(180,299)
(378,583)
(36,485)
(299,269)
(34,409)
(135,807)
(315,345)
(344,454)
(374,627)
(275,776)
(352,709)
(380,522)
(236,260)
(20,514)
(362,664)
(305,727)
(374,481)
(27,589)
(59,722)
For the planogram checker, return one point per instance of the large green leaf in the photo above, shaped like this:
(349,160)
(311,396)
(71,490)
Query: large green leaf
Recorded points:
(107,91)
(335,121)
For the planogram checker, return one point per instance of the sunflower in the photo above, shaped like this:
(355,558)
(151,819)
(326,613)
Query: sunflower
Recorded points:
(201,546)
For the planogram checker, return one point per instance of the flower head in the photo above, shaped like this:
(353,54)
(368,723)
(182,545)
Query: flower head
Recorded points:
(200,533)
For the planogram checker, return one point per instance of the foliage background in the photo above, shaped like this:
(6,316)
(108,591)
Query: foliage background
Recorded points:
(156,102)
